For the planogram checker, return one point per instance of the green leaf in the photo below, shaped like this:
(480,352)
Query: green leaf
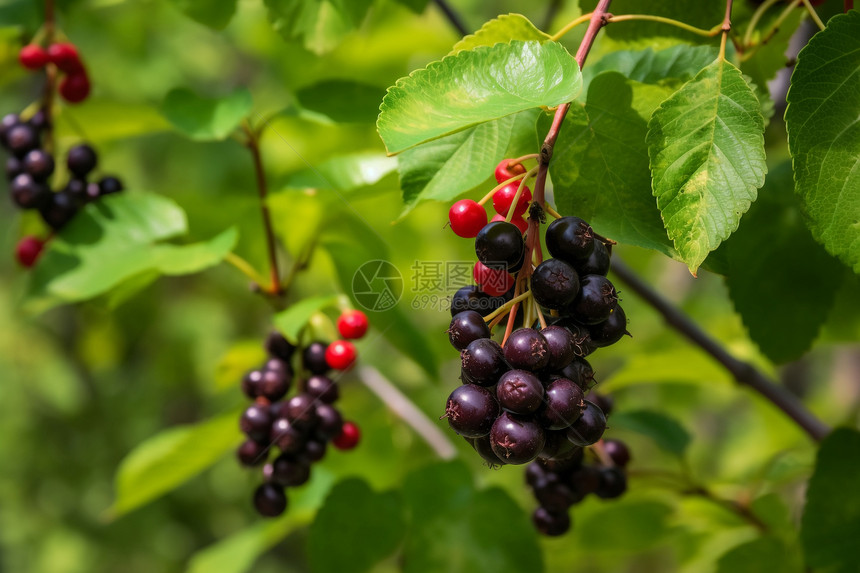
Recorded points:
(600,169)
(679,366)
(667,66)
(213,13)
(761,554)
(444,168)
(782,314)
(699,14)
(416,6)
(632,526)
(344,101)
(167,460)
(370,524)
(114,240)
(206,118)
(291,321)
(345,172)
(831,518)
(239,359)
(824,135)
(473,87)
(108,119)
(706,146)
(502,29)
(319,24)
(666,432)
(770,58)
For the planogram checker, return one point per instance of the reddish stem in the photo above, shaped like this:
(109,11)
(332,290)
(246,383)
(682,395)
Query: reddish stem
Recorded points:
(262,189)
(49,92)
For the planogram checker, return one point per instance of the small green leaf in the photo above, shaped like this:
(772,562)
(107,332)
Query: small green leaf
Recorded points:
(291,321)
(370,524)
(824,135)
(473,87)
(345,172)
(319,24)
(831,518)
(706,144)
(762,554)
(666,432)
(206,118)
(239,359)
(344,101)
(213,13)
(502,29)
(670,65)
(169,459)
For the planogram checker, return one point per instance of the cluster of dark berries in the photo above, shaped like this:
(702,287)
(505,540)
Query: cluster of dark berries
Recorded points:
(301,426)
(75,85)
(29,168)
(564,481)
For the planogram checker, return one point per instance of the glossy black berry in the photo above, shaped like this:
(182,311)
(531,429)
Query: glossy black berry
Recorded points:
(556,496)
(466,327)
(483,362)
(9,121)
(29,193)
(329,421)
(500,245)
(473,298)
(274,383)
(617,451)
(252,453)
(81,160)
(559,342)
(313,358)
(597,263)
(516,439)
(77,188)
(535,472)
(520,392)
(527,349)
(314,450)
(610,330)
(59,210)
(14,167)
(471,410)
(605,402)
(323,388)
(256,422)
(565,402)
(570,239)
(555,284)
(565,463)
(580,336)
(39,164)
(556,444)
(251,383)
(301,410)
(596,300)
(270,500)
(551,523)
(613,483)
(110,184)
(287,436)
(290,471)
(584,479)
(484,449)
(580,372)
(21,139)
(276,345)
(589,427)
(39,120)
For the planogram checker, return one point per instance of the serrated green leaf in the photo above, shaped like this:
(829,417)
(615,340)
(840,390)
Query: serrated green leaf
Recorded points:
(444,168)
(502,29)
(473,87)
(706,144)
(319,24)
(782,314)
(599,167)
(344,101)
(370,524)
(666,432)
(291,321)
(114,240)
(345,172)
(206,118)
(674,64)
(213,13)
(831,518)
(824,135)
(169,459)
(762,554)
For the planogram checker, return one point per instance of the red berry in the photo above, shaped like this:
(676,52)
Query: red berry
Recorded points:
(340,354)
(33,57)
(28,251)
(348,438)
(75,88)
(65,56)
(505,196)
(494,282)
(467,218)
(352,324)
(505,171)
(517,220)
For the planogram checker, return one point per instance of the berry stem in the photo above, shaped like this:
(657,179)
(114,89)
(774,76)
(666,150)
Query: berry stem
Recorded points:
(552,211)
(754,20)
(245,268)
(492,192)
(539,312)
(518,160)
(529,174)
(678,24)
(744,373)
(726,27)
(507,306)
(813,14)
(773,31)
(570,26)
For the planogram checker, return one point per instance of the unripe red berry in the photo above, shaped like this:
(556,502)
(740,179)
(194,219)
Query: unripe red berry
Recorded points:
(340,354)
(494,282)
(75,88)
(517,220)
(352,324)
(504,197)
(33,57)
(505,171)
(348,438)
(65,56)
(467,218)
(28,250)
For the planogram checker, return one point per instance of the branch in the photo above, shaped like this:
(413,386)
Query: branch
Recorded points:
(452,16)
(49,92)
(744,373)
(407,411)
(253,145)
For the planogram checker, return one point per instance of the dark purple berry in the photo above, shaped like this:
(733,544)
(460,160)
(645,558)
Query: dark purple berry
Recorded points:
(613,483)
(589,427)
(270,500)
(603,401)
(29,193)
(81,160)
(40,120)
(252,453)
(584,479)
(596,300)
(301,410)
(566,462)
(500,245)
(617,451)
(313,358)
(287,436)
(580,337)
(471,410)
(527,349)
(516,439)
(556,445)
(535,472)
(556,496)
(59,210)
(580,372)
(473,298)
(276,345)
(21,139)
(570,239)
(314,450)
(256,422)
(329,421)
(467,326)
(484,449)
(93,191)
(39,164)
(551,523)
(565,403)
(597,263)
(559,342)
(520,392)
(483,361)
(274,383)
(109,185)
(14,167)
(323,388)
(555,284)
(77,188)
(251,383)
(9,121)
(610,330)
(289,471)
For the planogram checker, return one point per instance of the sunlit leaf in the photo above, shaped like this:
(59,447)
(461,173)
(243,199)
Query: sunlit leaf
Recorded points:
(291,321)
(504,28)
(206,118)
(320,25)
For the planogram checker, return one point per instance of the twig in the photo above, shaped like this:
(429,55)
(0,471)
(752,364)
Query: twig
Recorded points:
(48,95)
(662,20)
(754,20)
(744,373)
(726,28)
(407,411)
(452,16)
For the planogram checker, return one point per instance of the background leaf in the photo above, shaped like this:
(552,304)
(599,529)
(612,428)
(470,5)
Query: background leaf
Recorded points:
(824,135)
(213,13)
(345,172)
(665,431)
(505,28)
(291,321)
(342,100)
(762,554)
(206,118)
(319,24)
(671,65)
